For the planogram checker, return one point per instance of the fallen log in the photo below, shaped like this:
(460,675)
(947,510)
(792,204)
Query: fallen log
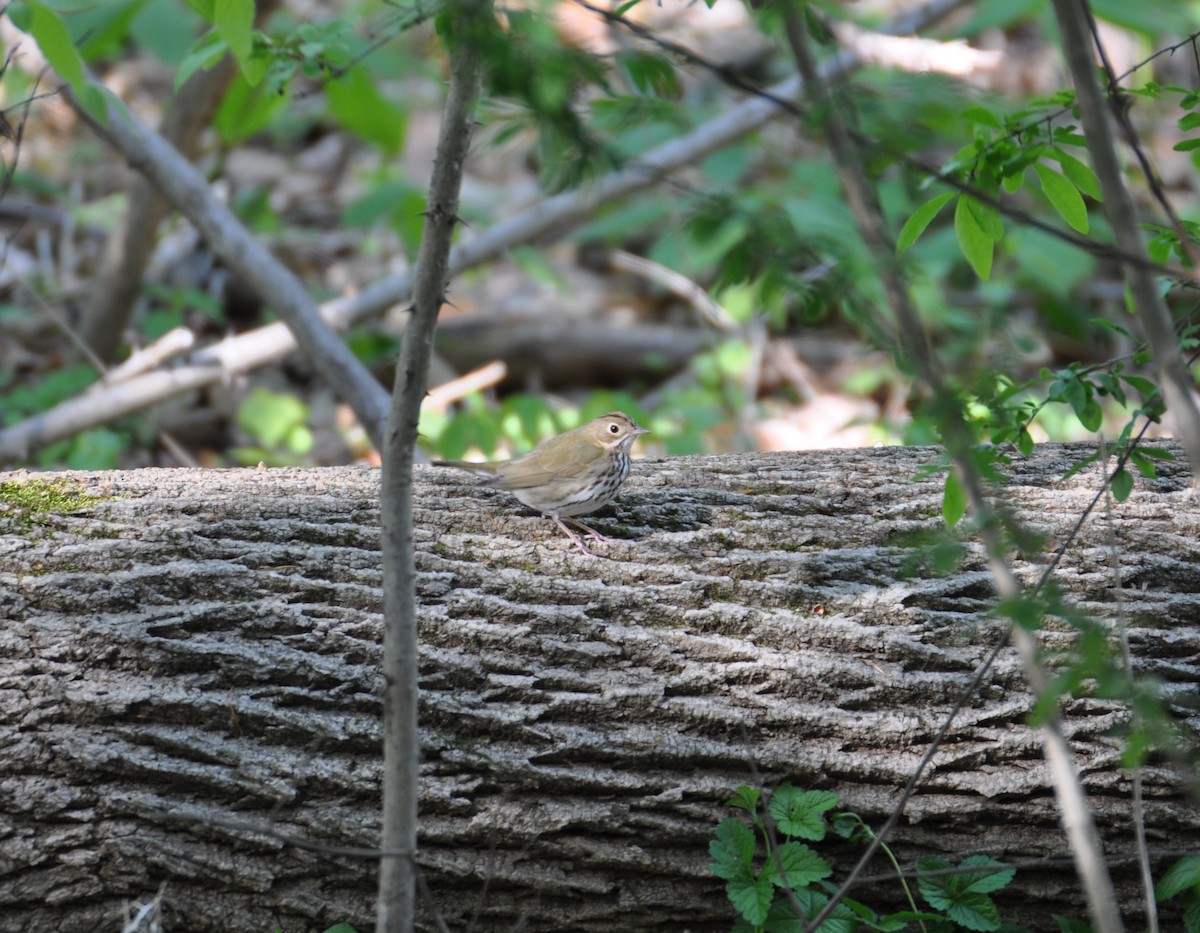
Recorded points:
(189,683)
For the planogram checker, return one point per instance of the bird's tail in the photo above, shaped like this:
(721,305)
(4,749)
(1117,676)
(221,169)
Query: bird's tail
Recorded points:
(482,469)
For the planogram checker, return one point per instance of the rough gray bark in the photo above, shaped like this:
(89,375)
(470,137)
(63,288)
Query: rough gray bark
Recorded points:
(200,648)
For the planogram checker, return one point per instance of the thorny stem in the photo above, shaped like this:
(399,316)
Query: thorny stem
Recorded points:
(402,747)
(914,349)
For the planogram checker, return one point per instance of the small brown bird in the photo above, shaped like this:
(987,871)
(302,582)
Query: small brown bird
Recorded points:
(572,474)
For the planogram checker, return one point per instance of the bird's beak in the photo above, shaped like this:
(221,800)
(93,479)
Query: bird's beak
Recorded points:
(638,432)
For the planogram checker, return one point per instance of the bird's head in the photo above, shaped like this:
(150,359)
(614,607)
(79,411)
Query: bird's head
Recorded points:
(615,431)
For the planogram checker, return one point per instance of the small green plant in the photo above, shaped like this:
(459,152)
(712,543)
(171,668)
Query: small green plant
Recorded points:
(1182,881)
(777,882)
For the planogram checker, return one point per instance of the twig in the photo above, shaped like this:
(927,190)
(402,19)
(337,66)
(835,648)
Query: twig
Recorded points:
(1139,808)
(1123,217)
(401,740)
(181,184)
(170,345)
(485,377)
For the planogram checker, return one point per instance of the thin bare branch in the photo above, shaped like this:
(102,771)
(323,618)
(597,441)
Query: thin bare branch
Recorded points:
(184,187)
(1123,216)
(396,906)
(913,345)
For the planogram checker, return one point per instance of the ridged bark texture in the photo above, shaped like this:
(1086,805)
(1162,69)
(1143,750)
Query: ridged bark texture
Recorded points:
(191,650)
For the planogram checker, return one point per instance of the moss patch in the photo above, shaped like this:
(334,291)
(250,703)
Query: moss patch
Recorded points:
(25,500)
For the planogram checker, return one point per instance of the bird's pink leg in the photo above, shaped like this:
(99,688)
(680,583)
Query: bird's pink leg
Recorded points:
(592,532)
(578,542)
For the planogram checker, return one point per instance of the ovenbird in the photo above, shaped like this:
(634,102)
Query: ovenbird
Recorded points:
(571,474)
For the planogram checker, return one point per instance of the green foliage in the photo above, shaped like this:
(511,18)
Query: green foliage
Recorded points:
(56,43)
(1182,882)
(358,105)
(963,895)
(777,883)
(278,423)
(95,449)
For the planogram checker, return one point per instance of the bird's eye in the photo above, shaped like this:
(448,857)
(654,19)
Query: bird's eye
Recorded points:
(614,429)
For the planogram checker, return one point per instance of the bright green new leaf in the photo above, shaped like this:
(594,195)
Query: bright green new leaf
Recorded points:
(270,417)
(54,40)
(1189,121)
(1064,197)
(921,218)
(205,8)
(988,218)
(205,52)
(234,20)
(1144,464)
(1080,174)
(47,27)
(954,500)
(356,103)
(975,244)
(982,116)
(1122,484)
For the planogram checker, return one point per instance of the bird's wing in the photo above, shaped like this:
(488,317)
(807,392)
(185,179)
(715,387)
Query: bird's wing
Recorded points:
(561,458)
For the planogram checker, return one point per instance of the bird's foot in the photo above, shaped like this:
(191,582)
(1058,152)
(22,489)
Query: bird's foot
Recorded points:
(578,541)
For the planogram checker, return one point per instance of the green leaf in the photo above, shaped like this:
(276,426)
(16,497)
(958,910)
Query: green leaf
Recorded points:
(1142,385)
(1144,464)
(205,52)
(801,866)
(357,105)
(98,449)
(53,38)
(746,797)
(974,911)
(248,108)
(1122,484)
(1182,876)
(733,849)
(1091,416)
(953,894)
(921,218)
(1080,174)
(270,417)
(1187,145)
(988,218)
(975,244)
(1025,442)
(1064,197)
(982,116)
(801,812)
(234,20)
(954,500)
(992,875)
(751,896)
